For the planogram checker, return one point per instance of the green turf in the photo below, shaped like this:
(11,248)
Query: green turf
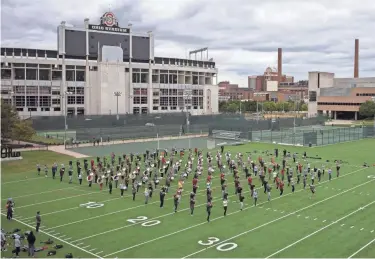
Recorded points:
(292,225)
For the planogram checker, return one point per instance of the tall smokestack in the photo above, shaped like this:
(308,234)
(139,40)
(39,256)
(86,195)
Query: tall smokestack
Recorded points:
(356,57)
(279,64)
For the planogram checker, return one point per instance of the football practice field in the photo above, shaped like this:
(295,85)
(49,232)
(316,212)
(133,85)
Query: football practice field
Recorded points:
(338,222)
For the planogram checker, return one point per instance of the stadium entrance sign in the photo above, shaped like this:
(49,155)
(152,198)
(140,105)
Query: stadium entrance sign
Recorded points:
(108,22)
(7,154)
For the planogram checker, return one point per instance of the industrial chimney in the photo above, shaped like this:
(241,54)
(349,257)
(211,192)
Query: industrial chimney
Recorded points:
(356,57)
(279,64)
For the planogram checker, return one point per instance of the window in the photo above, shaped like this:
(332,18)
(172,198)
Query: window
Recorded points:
(173,79)
(71,99)
(31,90)
(342,104)
(80,76)
(45,101)
(32,101)
(19,89)
(155,108)
(312,96)
(20,100)
(19,73)
(174,108)
(70,75)
(163,78)
(18,64)
(144,110)
(155,101)
(195,80)
(55,92)
(44,90)
(200,92)
(80,100)
(155,78)
(172,101)
(136,100)
(57,109)
(71,89)
(365,94)
(80,111)
(31,74)
(136,77)
(143,100)
(44,74)
(144,78)
(56,75)
(136,110)
(164,101)
(56,101)
(164,91)
(195,101)
(6,73)
(155,94)
(172,91)
(164,108)
(80,90)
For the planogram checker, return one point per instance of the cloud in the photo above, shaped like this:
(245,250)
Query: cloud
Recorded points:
(242,35)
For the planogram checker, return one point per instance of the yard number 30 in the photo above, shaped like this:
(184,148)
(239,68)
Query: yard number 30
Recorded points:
(222,247)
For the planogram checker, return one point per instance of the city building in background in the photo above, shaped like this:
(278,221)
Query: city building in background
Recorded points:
(106,69)
(230,92)
(339,98)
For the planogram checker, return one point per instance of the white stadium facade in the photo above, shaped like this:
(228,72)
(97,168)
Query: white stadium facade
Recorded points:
(105,69)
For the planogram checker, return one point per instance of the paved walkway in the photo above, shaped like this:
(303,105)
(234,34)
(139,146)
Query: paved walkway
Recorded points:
(61,149)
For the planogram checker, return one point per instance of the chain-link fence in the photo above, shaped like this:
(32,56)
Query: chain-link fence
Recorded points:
(313,136)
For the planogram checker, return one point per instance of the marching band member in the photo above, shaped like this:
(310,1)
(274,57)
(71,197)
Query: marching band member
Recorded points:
(90,178)
(80,179)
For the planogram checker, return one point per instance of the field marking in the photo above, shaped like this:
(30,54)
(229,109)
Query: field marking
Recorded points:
(363,247)
(352,227)
(319,230)
(62,236)
(25,206)
(92,249)
(28,179)
(371,231)
(80,244)
(361,229)
(86,246)
(55,237)
(272,221)
(68,238)
(172,213)
(135,207)
(181,230)
(99,252)
(31,194)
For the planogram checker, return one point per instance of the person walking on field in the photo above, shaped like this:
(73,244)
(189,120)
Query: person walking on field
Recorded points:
(38,221)
(31,241)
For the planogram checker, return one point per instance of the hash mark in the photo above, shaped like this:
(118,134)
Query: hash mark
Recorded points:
(324,220)
(352,227)
(85,246)
(342,225)
(315,219)
(371,231)
(92,249)
(99,252)
(274,210)
(307,217)
(268,208)
(80,244)
(361,229)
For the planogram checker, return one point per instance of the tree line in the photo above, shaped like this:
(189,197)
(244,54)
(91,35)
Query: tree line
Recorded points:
(251,106)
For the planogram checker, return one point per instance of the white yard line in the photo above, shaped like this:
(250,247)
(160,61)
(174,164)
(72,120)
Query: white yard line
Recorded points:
(319,230)
(28,179)
(253,229)
(86,246)
(363,247)
(57,238)
(131,208)
(65,198)
(31,194)
(179,231)
(119,228)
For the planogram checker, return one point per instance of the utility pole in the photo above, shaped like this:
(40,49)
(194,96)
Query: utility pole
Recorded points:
(117,94)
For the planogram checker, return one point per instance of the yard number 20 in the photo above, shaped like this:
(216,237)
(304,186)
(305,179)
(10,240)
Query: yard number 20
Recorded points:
(222,247)
(145,223)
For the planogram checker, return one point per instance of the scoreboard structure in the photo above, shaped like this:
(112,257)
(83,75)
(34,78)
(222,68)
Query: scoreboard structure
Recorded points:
(89,40)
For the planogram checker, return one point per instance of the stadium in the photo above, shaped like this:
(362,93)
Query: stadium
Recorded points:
(106,69)
(141,179)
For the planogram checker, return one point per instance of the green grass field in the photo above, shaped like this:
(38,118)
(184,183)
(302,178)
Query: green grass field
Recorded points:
(339,222)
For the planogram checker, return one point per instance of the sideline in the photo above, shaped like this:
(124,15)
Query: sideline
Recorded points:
(363,247)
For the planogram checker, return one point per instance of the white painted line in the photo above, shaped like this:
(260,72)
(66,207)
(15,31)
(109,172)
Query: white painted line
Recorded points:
(352,227)
(57,238)
(261,207)
(57,233)
(51,231)
(342,225)
(138,206)
(68,238)
(86,247)
(62,236)
(268,208)
(298,215)
(92,249)
(371,231)
(282,212)
(361,229)
(99,252)
(363,247)
(31,194)
(28,179)
(65,198)
(324,220)
(315,219)
(319,230)
(205,222)
(274,210)
(79,243)
(307,217)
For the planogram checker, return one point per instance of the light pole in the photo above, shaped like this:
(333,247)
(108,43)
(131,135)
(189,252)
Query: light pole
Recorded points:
(11,98)
(117,94)
(65,98)
(187,96)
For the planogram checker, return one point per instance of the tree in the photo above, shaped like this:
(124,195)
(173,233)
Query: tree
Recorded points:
(304,107)
(367,109)
(9,118)
(233,107)
(12,127)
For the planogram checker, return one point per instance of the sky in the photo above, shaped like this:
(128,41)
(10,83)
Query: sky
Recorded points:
(242,35)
